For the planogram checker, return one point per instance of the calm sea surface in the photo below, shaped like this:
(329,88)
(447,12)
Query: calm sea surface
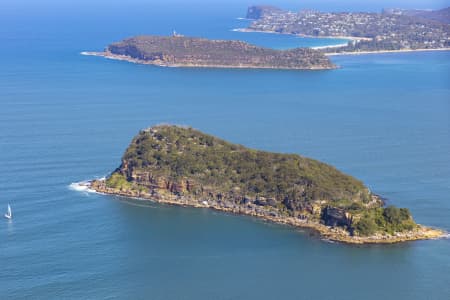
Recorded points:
(65,118)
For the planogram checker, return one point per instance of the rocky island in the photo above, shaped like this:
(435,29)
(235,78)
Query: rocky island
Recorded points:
(181,51)
(183,166)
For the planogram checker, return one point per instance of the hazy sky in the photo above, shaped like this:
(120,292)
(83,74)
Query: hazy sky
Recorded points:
(51,7)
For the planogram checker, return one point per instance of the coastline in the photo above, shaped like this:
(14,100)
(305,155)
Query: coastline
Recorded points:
(386,51)
(350,38)
(325,232)
(112,56)
(301,35)
(328,47)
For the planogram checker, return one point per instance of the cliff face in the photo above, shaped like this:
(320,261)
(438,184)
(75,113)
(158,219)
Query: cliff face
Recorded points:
(187,51)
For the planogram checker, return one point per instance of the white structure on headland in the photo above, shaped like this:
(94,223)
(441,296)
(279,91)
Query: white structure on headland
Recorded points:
(175,34)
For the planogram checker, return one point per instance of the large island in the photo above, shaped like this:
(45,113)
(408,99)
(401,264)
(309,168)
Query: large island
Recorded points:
(181,51)
(183,166)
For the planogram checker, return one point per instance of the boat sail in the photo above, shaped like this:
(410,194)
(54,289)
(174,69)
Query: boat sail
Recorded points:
(8,214)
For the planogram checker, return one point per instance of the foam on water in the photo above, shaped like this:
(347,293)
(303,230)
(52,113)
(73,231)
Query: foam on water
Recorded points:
(82,186)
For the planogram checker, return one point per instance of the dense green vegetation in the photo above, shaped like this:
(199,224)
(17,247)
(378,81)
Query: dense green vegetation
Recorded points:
(177,152)
(390,219)
(118,181)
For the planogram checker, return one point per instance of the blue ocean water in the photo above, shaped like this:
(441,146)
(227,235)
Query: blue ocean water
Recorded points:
(65,118)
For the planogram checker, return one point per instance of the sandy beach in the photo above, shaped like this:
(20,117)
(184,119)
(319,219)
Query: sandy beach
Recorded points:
(327,47)
(350,38)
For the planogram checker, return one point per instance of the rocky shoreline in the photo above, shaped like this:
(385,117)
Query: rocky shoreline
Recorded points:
(326,232)
(109,55)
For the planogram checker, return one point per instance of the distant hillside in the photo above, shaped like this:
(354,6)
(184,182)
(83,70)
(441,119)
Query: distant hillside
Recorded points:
(258,11)
(441,15)
(198,52)
(392,30)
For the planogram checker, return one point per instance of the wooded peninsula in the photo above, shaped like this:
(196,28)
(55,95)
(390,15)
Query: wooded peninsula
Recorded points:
(181,51)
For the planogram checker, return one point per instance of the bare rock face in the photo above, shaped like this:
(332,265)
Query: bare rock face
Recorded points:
(333,216)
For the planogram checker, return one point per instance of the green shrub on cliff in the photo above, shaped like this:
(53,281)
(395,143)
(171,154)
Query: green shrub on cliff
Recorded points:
(366,226)
(118,181)
(390,219)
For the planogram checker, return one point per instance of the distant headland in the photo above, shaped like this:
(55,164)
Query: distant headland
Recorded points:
(183,166)
(181,51)
(392,30)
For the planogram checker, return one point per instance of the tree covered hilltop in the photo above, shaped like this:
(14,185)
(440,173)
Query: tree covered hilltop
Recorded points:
(390,30)
(181,51)
(183,166)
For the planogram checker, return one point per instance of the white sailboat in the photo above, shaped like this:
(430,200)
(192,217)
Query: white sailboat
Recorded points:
(8,214)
